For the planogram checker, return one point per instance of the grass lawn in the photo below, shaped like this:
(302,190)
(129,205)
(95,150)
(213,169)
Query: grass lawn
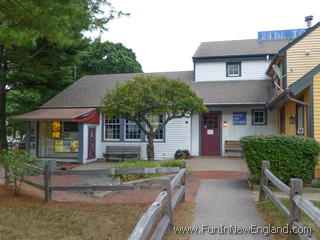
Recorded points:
(26,217)
(273,216)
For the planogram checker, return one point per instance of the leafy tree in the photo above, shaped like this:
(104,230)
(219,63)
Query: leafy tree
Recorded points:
(155,95)
(105,58)
(18,164)
(36,29)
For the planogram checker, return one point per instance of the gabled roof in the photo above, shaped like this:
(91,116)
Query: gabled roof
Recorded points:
(89,90)
(294,89)
(294,41)
(290,44)
(305,81)
(239,48)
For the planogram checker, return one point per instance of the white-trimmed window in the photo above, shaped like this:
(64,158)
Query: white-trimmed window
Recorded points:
(259,117)
(112,129)
(233,69)
(156,120)
(132,131)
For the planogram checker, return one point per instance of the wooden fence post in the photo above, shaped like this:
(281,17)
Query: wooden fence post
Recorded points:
(47,180)
(166,186)
(263,180)
(183,180)
(295,212)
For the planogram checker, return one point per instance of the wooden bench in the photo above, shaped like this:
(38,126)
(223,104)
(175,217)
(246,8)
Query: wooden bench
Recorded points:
(232,146)
(122,151)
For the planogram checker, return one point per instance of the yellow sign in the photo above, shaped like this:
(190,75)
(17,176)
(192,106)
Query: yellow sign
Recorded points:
(66,146)
(58,145)
(56,129)
(74,145)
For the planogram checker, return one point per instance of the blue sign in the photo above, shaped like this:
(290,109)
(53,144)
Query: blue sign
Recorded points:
(280,34)
(239,118)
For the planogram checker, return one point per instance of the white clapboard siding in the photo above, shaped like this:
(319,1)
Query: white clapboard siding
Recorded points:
(233,132)
(177,136)
(216,71)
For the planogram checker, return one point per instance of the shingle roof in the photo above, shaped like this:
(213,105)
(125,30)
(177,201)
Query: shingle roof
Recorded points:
(89,90)
(239,48)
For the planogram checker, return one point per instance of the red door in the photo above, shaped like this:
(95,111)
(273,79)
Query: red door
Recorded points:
(91,143)
(210,134)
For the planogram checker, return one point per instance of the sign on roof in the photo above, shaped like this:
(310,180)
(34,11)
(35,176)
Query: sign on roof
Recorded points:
(280,34)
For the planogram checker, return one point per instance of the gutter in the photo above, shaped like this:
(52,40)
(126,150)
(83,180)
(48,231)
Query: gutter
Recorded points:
(237,104)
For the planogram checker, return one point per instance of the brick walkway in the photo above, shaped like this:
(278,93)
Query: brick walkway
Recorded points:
(131,196)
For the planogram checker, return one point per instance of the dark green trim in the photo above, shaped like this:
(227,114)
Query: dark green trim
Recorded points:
(274,58)
(28,126)
(304,81)
(122,129)
(194,71)
(311,112)
(284,73)
(220,108)
(278,101)
(81,143)
(233,63)
(265,116)
(231,58)
(283,50)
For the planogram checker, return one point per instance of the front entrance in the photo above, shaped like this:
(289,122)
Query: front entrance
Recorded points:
(211,134)
(91,143)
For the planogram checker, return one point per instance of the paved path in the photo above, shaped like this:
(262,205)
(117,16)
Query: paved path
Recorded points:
(224,200)
(217,164)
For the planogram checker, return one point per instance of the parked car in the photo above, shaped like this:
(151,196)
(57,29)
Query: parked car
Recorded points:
(12,142)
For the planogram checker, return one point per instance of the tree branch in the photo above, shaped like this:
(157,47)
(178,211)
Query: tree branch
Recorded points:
(31,56)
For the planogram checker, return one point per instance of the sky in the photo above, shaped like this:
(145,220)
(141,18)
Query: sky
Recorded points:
(164,34)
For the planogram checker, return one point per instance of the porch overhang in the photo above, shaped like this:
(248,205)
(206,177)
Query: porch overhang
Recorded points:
(70,114)
(278,100)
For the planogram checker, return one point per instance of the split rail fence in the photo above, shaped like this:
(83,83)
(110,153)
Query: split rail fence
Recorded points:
(298,203)
(161,210)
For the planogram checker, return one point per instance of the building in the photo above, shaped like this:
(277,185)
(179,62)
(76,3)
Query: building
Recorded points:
(253,86)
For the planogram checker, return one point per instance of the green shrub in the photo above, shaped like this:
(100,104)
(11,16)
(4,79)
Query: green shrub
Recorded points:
(18,163)
(171,163)
(289,156)
(137,163)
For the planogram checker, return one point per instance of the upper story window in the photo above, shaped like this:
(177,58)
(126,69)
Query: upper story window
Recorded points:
(259,117)
(112,129)
(233,69)
(155,121)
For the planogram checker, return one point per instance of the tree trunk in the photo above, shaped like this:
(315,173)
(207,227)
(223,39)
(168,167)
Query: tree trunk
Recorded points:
(3,130)
(150,147)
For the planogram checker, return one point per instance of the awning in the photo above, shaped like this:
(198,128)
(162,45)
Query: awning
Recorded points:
(76,114)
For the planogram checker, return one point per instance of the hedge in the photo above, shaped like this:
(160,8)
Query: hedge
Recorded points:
(289,156)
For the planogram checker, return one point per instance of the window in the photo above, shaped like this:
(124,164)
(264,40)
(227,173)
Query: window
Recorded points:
(132,131)
(112,129)
(70,127)
(233,69)
(259,117)
(155,121)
